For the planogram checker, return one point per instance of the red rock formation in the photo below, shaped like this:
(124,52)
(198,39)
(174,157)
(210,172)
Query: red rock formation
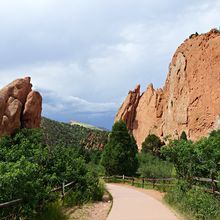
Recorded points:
(19,107)
(32,110)
(190,99)
(128,109)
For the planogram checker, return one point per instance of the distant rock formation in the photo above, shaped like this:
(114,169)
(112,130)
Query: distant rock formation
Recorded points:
(190,99)
(20,107)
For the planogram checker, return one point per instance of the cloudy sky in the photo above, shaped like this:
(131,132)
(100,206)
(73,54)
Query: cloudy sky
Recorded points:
(84,55)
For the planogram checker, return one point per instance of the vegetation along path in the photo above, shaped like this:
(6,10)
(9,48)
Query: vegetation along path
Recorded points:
(131,204)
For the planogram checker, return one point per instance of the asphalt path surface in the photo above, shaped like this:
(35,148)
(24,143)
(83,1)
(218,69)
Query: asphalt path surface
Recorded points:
(131,204)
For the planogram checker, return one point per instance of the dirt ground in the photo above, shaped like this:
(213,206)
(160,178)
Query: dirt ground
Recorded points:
(93,211)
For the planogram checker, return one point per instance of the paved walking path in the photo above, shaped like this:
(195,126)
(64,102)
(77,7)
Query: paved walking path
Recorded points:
(131,204)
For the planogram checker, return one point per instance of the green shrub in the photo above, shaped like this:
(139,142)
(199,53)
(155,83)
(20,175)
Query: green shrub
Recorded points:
(182,155)
(151,166)
(199,159)
(23,172)
(194,202)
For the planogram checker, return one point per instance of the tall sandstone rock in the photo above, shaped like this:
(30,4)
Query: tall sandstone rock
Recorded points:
(20,107)
(190,99)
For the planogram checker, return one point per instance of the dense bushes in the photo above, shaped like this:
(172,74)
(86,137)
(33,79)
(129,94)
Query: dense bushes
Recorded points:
(194,203)
(151,166)
(120,153)
(199,159)
(29,170)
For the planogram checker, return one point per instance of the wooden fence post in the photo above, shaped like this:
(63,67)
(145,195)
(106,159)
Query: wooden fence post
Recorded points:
(123,178)
(214,185)
(142,182)
(63,190)
(132,181)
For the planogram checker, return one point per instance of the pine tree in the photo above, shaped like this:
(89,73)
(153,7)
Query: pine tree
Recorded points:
(183,136)
(120,153)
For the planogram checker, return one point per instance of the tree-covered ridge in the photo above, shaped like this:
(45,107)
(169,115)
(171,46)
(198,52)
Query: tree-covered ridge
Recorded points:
(56,133)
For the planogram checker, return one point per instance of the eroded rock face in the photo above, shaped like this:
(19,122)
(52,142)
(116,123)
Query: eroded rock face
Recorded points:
(127,111)
(190,99)
(19,107)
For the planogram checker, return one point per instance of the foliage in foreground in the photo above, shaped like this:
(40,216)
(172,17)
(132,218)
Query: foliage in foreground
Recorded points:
(52,211)
(30,170)
(120,153)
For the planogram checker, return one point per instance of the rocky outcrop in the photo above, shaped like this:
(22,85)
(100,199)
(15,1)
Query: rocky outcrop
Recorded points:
(190,99)
(127,111)
(20,107)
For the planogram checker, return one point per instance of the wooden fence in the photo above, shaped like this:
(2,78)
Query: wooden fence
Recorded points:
(167,182)
(133,180)
(144,181)
(214,183)
(61,189)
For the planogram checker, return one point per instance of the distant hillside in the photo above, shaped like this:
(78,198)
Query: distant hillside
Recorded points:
(86,125)
(72,135)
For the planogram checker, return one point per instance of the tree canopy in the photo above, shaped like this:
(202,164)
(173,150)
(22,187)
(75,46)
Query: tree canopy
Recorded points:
(152,144)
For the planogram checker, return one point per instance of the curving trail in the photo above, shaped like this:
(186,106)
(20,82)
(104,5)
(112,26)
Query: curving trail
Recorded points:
(131,204)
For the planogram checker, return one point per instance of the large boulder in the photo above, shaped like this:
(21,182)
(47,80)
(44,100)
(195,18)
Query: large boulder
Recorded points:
(19,107)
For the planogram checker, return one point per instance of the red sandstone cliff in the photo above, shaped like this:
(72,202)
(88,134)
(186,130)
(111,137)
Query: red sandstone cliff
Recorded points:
(20,107)
(190,99)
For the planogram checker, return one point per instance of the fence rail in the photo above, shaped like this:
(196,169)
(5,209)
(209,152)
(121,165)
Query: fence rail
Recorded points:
(13,202)
(214,183)
(201,179)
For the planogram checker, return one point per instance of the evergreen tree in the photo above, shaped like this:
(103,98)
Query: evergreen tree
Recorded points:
(120,153)
(183,136)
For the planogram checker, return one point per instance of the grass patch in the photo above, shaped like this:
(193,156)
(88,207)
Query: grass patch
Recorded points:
(52,211)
